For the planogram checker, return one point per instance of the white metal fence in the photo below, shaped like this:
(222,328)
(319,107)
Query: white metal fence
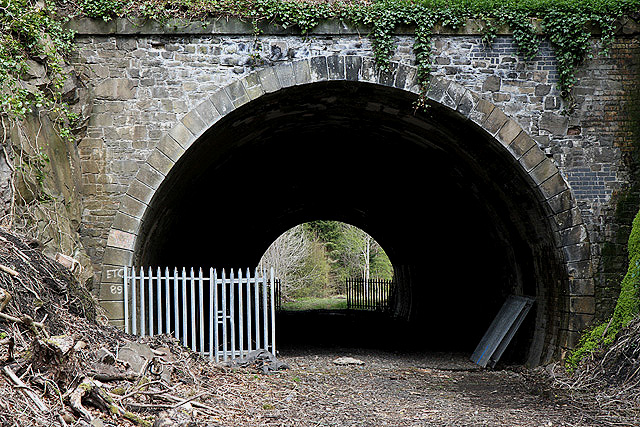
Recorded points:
(222,317)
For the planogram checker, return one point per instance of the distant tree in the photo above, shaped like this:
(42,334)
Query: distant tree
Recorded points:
(314,276)
(287,255)
(359,255)
(381,266)
(326,232)
(315,258)
(299,262)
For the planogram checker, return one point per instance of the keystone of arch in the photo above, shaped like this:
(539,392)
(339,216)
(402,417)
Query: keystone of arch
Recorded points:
(552,189)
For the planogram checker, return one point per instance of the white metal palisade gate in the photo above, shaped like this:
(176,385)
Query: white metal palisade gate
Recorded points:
(219,316)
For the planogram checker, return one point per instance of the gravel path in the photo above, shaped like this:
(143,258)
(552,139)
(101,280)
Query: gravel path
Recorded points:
(408,390)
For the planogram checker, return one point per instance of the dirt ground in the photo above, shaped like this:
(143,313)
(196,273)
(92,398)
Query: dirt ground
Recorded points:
(419,389)
(61,368)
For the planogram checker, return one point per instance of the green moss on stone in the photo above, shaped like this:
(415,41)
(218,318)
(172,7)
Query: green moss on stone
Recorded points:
(136,419)
(120,391)
(627,306)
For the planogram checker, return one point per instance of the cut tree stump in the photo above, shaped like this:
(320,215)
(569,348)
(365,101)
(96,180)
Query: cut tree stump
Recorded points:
(53,355)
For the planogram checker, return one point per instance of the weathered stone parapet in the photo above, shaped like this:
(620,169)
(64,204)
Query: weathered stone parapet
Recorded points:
(237,26)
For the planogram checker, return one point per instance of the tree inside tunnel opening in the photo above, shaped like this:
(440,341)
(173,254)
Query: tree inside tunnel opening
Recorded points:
(319,263)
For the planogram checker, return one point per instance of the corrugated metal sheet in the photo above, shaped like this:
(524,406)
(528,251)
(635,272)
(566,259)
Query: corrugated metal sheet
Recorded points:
(501,330)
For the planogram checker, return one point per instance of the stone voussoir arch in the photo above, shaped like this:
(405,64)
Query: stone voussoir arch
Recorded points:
(553,191)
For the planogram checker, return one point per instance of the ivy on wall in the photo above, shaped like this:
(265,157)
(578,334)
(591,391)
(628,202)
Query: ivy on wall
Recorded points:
(34,28)
(33,43)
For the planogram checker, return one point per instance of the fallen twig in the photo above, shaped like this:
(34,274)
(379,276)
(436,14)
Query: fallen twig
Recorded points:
(182,402)
(25,320)
(9,271)
(25,389)
(10,343)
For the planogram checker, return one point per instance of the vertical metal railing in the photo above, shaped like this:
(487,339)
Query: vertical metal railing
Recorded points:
(277,289)
(219,315)
(372,294)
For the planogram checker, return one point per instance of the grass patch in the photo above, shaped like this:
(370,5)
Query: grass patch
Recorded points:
(334,302)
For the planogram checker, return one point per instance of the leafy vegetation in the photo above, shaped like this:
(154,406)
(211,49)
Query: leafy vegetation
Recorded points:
(34,29)
(32,36)
(334,302)
(351,252)
(626,309)
(314,259)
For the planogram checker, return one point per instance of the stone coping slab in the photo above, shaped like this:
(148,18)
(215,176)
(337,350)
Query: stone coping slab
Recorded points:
(238,26)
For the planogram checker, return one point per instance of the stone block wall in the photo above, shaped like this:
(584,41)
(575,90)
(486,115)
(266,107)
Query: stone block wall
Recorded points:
(145,82)
(593,147)
(617,122)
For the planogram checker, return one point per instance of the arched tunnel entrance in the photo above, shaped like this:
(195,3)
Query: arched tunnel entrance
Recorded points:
(459,218)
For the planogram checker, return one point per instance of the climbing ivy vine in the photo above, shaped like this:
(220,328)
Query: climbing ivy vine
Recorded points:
(32,35)
(34,28)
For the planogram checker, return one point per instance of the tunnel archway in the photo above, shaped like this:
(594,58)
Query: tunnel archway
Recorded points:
(462,200)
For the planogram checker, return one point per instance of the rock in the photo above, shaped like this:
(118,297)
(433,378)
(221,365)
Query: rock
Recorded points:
(262,360)
(542,90)
(102,372)
(36,69)
(68,417)
(115,89)
(163,420)
(105,356)
(491,84)
(62,343)
(5,297)
(174,418)
(553,123)
(343,361)
(68,262)
(136,355)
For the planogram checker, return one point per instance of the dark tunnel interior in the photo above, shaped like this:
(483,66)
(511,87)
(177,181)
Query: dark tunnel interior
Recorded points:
(458,218)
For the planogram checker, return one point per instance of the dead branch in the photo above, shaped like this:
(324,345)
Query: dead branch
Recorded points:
(24,320)
(9,271)
(26,390)
(195,404)
(185,401)
(75,402)
(10,343)
(89,392)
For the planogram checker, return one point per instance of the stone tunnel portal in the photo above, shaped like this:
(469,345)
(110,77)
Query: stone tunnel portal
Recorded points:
(458,217)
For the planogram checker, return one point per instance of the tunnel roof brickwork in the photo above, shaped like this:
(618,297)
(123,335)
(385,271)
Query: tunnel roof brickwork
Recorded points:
(175,87)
